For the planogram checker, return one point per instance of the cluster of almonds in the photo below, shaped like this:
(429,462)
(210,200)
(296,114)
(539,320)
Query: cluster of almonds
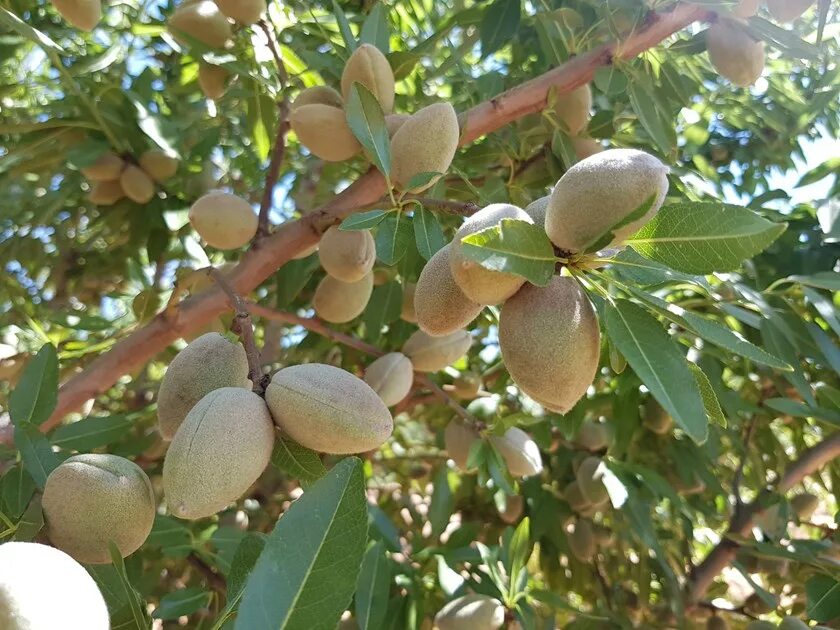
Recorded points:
(112,178)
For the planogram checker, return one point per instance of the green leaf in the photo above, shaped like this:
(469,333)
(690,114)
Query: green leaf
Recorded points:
(787,41)
(630,264)
(513,246)
(297,461)
(16,490)
(421,180)
(363,220)
(344,27)
(375,28)
(519,551)
(499,25)
(393,238)
(801,410)
(36,394)
(704,237)
(292,277)
(829,280)
(181,602)
(443,502)
(647,109)
(170,535)
(139,619)
(247,553)
(367,122)
(13,22)
(91,433)
(605,239)
(383,308)
(305,577)
(36,453)
(403,62)
(373,588)
(707,393)
(657,360)
(427,233)
(823,593)
(31,523)
(778,343)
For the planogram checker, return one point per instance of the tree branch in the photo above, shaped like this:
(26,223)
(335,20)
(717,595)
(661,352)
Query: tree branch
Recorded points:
(136,349)
(723,554)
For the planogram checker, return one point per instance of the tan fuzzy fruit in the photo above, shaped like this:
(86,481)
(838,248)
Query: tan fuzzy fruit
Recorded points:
(92,499)
(551,342)
(202,21)
(108,167)
(106,193)
(218,452)
(225,221)
(574,497)
(582,542)
(347,255)
(537,210)
(318,95)
(42,588)
(158,165)
(734,53)
(572,109)
(590,479)
(338,302)
(598,193)
(390,376)
(242,11)
(513,508)
(430,354)
(479,284)
(593,436)
(328,409)
(586,147)
(458,439)
(656,418)
(394,121)
(520,452)
(323,129)
(788,10)
(747,8)
(368,66)
(136,185)
(467,386)
(440,305)
(425,143)
(206,364)
(471,612)
(804,505)
(408,313)
(83,14)
(212,80)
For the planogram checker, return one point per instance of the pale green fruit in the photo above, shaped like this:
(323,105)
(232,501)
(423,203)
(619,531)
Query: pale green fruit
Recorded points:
(92,499)
(586,147)
(440,306)
(430,354)
(590,479)
(223,220)
(479,284)
(425,143)
(582,542)
(716,623)
(748,8)
(734,53)
(788,10)
(391,376)
(42,588)
(323,129)
(593,436)
(537,210)
(338,302)
(158,165)
(212,80)
(242,11)
(573,108)
(106,193)
(408,313)
(458,439)
(574,497)
(202,21)
(551,342)
(108,167)
(368,66)
(656,418)
(792,623)
(804,505)
(218,452)
(318,95)
(394,121)
(597,193)
(206,364)
(520,452)
(347,255)
(471,612)
(136,185)
(83,14)
(328,409)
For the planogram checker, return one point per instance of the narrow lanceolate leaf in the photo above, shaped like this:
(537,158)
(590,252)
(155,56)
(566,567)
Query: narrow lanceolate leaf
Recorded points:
(184,601)
(605,239)
(427,233)
(367,122)
(658,361)
(35,452)
(138,617)
(500,23)
(297,461)
(384,307)
(707,393)
(393,238)
(375,28)
(363,220)
(36,394)
(13,22)
(344,27)
(823,594)
(829,280)
(91,433)
(373,588)
(516,247)
(306,575)
(642,99)
(705,237)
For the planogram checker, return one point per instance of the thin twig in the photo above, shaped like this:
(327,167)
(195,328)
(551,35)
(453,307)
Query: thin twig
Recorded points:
(453,404)
(461,208)
(245,329)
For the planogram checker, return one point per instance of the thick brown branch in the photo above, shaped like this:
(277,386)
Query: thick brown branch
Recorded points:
(136,349)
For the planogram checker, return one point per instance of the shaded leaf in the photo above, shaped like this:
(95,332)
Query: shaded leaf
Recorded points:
(344,27)
(499,25)
(823,594)
(373,588)
(184,601)
(36,394)
(297,461)
(91,432)
(393,238)
(367,122)
(375,28)
(363,220)
(427,233)
(35,452)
